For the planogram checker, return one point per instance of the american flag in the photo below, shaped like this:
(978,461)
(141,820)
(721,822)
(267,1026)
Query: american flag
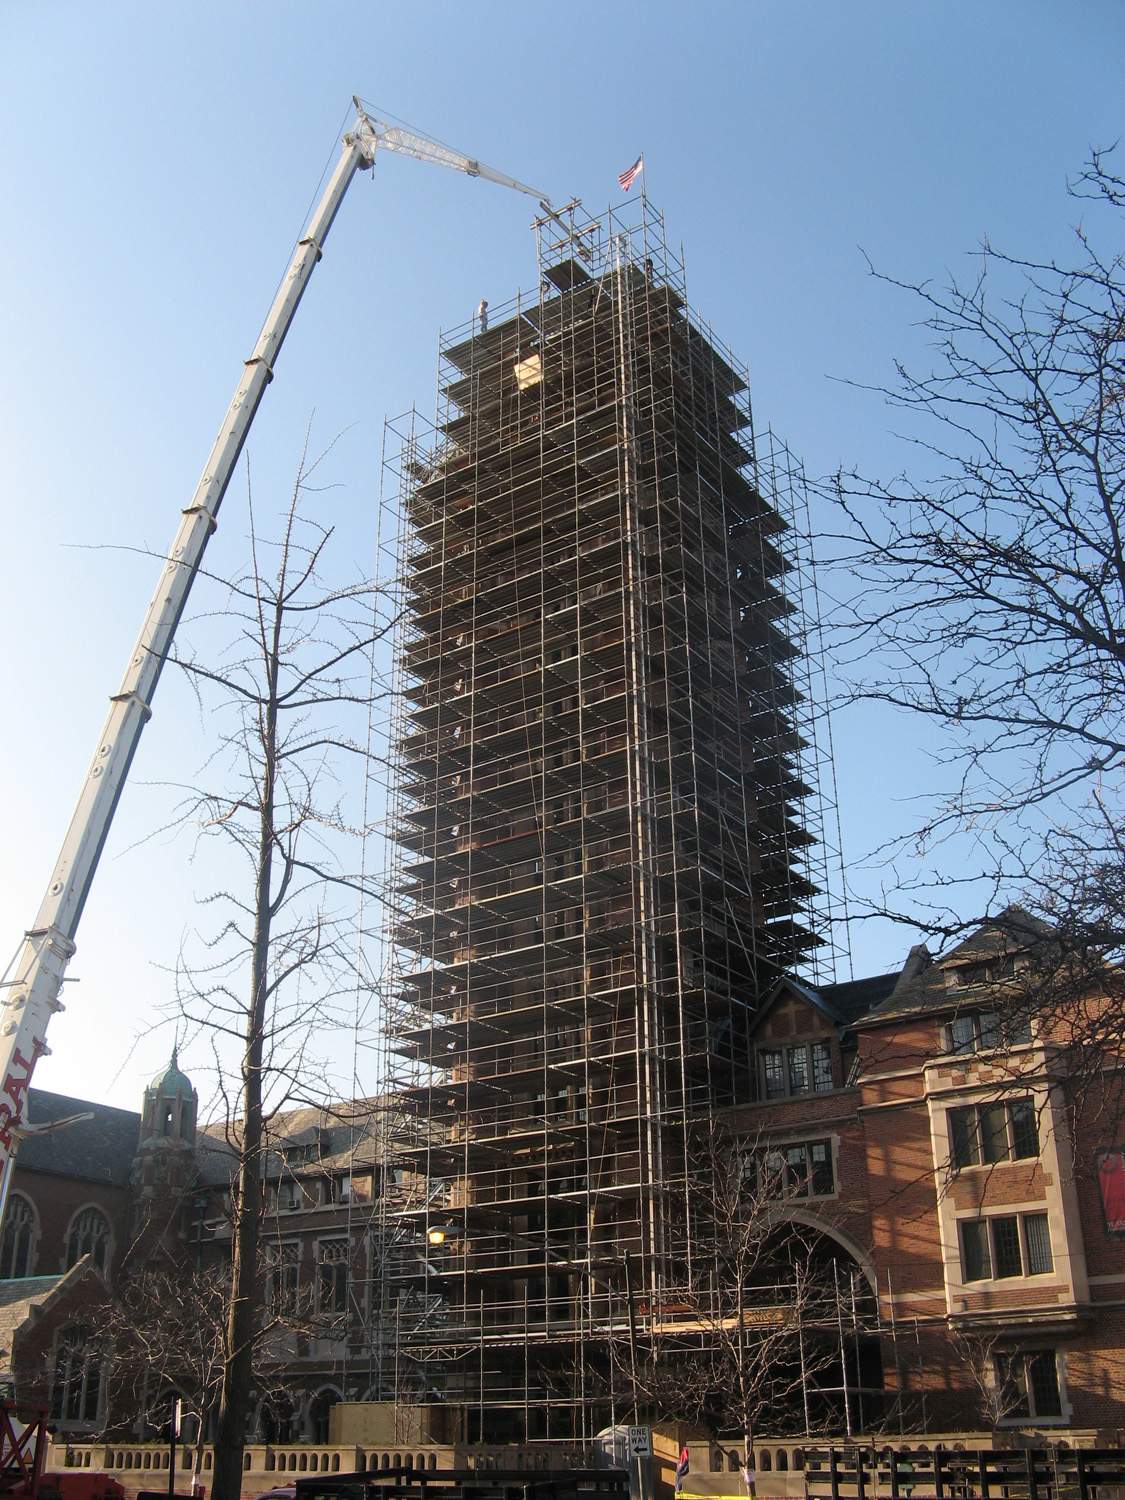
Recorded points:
(630,175)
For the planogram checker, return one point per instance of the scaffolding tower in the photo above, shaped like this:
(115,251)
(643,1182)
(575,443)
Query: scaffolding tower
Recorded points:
(608,818)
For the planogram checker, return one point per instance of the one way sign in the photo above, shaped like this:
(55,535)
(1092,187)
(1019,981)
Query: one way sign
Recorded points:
(640,1442)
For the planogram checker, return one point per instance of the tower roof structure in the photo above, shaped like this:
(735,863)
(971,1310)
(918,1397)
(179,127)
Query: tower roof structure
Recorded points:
(171,1082)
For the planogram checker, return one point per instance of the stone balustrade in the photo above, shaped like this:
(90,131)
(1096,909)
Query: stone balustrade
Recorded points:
(144,1466)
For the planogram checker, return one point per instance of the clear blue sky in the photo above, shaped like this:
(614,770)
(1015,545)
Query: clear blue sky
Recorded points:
(157,163)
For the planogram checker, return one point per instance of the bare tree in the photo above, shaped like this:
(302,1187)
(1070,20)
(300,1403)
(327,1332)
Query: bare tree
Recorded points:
(287,700)
(759,1319)
(166,1331)
(983,592)
(983,1355)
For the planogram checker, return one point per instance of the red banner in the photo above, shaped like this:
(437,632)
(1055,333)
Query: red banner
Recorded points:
(1111,1186)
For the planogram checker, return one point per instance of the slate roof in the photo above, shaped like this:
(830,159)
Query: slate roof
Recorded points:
(344,1135)
(922,986)
(22,1296)
(102,1149)
(853,998)
(843,1004)
(23,1289)
(17,1298)
(97,1150)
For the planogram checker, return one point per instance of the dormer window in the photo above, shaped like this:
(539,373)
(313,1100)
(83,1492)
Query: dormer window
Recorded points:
(297,1156)
(803,1069)
(992,972)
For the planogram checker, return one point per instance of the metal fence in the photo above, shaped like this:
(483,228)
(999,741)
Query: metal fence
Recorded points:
(996,1474)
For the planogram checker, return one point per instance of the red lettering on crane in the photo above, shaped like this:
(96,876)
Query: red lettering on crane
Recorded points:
(15,1086)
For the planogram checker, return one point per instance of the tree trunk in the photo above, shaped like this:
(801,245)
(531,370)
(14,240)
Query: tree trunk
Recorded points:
(242,1320)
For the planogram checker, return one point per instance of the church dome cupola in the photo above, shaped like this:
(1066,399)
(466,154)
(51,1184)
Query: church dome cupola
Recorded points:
(169,1107)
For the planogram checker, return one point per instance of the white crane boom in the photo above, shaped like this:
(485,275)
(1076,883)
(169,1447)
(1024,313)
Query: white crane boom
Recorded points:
(40,966)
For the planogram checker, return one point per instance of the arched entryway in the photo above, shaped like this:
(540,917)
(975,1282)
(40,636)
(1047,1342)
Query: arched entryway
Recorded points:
(320,1409)
(277,1419)
(824,1285)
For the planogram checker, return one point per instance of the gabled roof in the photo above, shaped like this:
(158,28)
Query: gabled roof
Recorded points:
(97,1150)
(22,1289)
(842,1004)
(922,985)
(23,1297)
(853,998)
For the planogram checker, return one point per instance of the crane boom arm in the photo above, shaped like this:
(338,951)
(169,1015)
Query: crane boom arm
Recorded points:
(397,138)
(33,991)
(40,966)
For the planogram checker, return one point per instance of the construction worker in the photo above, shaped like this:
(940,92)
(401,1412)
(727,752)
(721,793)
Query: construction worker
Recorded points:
(482,315)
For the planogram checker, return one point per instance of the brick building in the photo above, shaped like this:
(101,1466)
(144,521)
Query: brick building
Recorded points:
(915,1120)
(110,1192)
(926,1123)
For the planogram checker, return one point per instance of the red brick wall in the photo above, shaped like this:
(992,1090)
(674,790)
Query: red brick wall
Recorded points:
(34,1345)
(57,1200)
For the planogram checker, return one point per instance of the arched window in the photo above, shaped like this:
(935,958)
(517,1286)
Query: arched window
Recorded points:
(17,1248)
(89,1235)
(76,1384)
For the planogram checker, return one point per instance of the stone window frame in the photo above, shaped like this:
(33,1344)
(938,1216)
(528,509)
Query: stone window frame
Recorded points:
(990,1220)
(89,1210)
(335,1240)
(74,1336)
(31,1243)
(784,1050)
(987,1031)
(977,1137)
(1059,1418)
(281,1255)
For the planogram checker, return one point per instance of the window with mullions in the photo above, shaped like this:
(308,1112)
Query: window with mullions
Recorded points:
(76,1383)
(17,1248)
(821,1054)
(283,1277)
(1005,1245)
(89,1235)
(982,1030)
(332,1257)
(798,1070)
(1029,1383)
(800,1171)
(983,1134)
(993,971)
(803,1069)
(773,1075)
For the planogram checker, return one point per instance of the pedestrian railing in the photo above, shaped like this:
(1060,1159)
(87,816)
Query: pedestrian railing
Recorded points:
(855,1473)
